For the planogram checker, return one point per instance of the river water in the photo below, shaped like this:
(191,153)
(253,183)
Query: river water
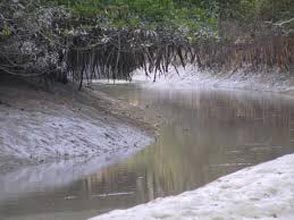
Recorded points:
(207,134)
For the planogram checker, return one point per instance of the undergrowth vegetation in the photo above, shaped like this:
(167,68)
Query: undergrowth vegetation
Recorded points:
(85,39)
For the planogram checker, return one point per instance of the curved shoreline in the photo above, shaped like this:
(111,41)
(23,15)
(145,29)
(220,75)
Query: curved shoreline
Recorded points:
(191,77)
(263,191)
(39,127)
(82,104)
(260,192)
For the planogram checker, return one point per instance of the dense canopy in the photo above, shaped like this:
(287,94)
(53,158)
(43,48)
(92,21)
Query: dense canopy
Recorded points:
(84,39)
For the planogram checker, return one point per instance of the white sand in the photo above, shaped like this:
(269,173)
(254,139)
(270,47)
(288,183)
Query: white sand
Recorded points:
(265,191)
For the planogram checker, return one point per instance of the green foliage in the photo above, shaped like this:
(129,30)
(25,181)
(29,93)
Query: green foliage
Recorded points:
(5,32)
(127,34)
(275,10)
(189,17)
(150,14)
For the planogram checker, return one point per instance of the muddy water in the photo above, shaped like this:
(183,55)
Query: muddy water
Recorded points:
(207,134)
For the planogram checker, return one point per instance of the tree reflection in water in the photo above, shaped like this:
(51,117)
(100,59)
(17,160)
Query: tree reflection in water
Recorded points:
(208,134)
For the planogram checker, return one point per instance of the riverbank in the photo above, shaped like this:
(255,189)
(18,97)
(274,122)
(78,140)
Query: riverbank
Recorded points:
(192,78)
(38,127)
(260,192)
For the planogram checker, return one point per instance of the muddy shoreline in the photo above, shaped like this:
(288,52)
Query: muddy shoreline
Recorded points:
(22,101)
(191,77)
(259,192)
(43,127)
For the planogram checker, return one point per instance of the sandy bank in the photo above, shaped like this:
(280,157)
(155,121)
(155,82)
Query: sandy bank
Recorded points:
(37,127)
(192,78)
(263,192)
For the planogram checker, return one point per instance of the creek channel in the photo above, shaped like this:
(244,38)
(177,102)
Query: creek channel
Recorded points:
(207,134)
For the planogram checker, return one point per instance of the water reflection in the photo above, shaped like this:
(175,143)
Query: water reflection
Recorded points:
(208,134)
